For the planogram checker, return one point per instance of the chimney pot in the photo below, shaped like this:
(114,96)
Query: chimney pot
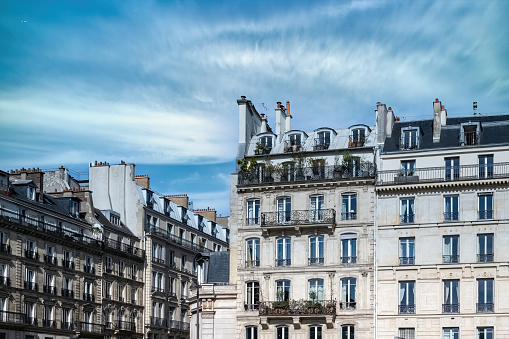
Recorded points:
(390,108)
(436,100)
(243,97)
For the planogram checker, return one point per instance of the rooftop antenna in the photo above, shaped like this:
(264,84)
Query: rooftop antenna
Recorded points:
(264,106)
(475,107)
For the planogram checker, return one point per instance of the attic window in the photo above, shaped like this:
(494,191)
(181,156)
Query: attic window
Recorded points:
(322,142)
(148,197)
(357,137)
(74,208)
(264,145)
(469,134)
(31,193)
(167,208)
(293,144)
(409,138)
(114,219)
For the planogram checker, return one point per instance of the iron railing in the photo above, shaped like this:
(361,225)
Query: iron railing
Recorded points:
(88,269)
(68,264)
(444,173)
(32,321)
(67,293)
(406,309)
(158,260)
(252,263)
(159,322)
(31,286)
(486,215)
(302,217)
(252,221)
(451,258)
(49,289)
(317,173)
(450,308)
(90,327)
(321,145)
(12,317)
(407,218)
(31,255)
(50,259)
(251,307)
(348,215)
(4,248)
(179,325)
(126,248)
(348,260)
(88,297)
(406,261)
(127,326)
(283,308)
(356,141)
(485,257)
(485,307)
(6,281)
(65,325)
(347,305)
(283,262)
(451,216)
(292,147)
(177,240)
(49,323)
(315,261)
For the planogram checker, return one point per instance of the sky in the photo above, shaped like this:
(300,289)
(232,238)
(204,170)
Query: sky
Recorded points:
(155,83)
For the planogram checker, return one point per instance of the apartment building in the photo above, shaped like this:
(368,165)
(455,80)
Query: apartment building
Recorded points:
(173,235)
(302,205)
(442,217)
(50,262)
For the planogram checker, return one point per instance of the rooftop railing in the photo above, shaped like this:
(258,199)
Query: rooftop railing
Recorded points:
(443,174)
(316,173)
(302,217)
(177,240)
(119,246)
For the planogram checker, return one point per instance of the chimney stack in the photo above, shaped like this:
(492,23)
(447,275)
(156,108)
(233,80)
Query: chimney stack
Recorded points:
(280,120)
(288,118)
(443,116)
(143,180)
(263,128)
(437,124)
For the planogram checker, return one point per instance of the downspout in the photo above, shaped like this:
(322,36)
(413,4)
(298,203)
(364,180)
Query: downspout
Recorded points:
(375,234)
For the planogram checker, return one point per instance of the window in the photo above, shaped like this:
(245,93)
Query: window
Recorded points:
(316,250)
(451,208)
(120,292)
(451,333)
(49,256)
(108,289)
(348,293)
(407,168)
(407,211)
(485,333)
(407,251)
(251,332)
(318,168)
(349,206)
(253,252)
(109,265)
(409,138)
(485,166)
(288,171)
(485,296)
(283,290)
(451,249)
(316,208)
(451,296)
(316,290)
(485,248)
(133,295)
(67,259)
(4,245)
(469,135)
(87,291)
(452,169)
(348,248)
(357,137)
(66,318)
(284,209)
(315,332)
(89,265)
(322,142)
(135,271)
(406,297)
(252,295)
(67,287)
(406,333)
(293,144)
(253,212)
(31,250)
(30,313)
(121,268)
(30,279)
(182,233)
(172,259)
(485,206)
(267,142)
(282,332)
(284,248)
(74,208)
(347,332)
(4,274)
(49,284)
(183,290)
(183,262)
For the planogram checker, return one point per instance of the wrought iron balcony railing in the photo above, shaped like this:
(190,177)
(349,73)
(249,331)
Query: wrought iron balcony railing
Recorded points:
(302,217)
(252,263)
(67,293)
(127,326)
(50,259)
(157,289)
(49,323)
(321,144)
(292,147)
(451,259)
(158,322)
(406,309)
(407,218)
(49,289)
(32,321)
(406,261)
(348,215)
(451,216)
(88,269)
(177,240)
(356,141)
(348,260)
(12,317)
(485,257)
(65,325)
(126,248)
(485,307)
(31,286)
(5,281)
(179,325)
(88,297)
(68,264)
(283,262)
(347,305)
(317,173)
(285,308)
(251,307)
(443,174)
(90,327)
(158,260)
(31,255)
(252,221)
(450,308)
(4,248)
(315,261)
(485,215)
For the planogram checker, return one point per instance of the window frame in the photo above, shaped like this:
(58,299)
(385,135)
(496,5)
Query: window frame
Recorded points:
(253,212)
(452,256)
(319,245)
(349,206)
(404,216)
(255,246)
(348,248)
(284,248)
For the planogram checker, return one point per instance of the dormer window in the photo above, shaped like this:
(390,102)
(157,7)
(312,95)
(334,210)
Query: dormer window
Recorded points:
(409,138)
(264,145)
(293,144)
(74,208)
(114,219)
(148,197)
(31,193)
(470,134)
(357,137)
(322,142)
(167,208)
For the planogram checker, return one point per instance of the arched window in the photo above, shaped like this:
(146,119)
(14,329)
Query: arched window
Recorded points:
(315,332)
(251,332)
(347,332)
(253,252)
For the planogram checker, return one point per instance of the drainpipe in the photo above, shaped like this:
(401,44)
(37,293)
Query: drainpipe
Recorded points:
(375,235)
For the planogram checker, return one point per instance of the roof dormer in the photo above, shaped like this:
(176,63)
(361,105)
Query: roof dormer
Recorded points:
(294,140)
(323,138)
(358,135)
(264,143)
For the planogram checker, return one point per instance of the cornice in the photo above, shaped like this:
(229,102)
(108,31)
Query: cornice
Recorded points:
(442,185)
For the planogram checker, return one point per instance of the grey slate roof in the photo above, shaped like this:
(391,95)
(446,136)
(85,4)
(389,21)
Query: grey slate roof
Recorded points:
(494,131)
(219,268)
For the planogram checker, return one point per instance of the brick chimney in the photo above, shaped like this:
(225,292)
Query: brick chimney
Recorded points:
(288,118)
(34,174)
(208,213)
(179,199)
(143,180)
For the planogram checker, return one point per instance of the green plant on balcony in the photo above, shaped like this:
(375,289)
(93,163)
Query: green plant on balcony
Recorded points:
(247,166)
(313,305)
(317,165)
(261,149)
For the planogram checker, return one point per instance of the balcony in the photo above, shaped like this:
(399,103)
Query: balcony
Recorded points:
(485,307)
(158,289)
(405,261)
(124,248)
(451,259)
(321,144)
(67,326)
(49,289)
(88,297)
(49,323)
(407,218)
(252,221)
(5,281)
(451,216)
(158,260)
(50,259)
(348,215)
(303,174)
(176,240)
(67,293)
(252,263)
(88,269)
(31,286)
(68,264)
(315,261)
(179,325)
(251,307)
(31,321)
(356,141)
(12,318)
(485,257)
(126,326)
(294,307)
(406,309)
(109,270)
(444,174)
(450,308)
(292,147)
(90,327)
(348,260)
(302,218)
(283,262)
(5,249)
(31,255)
(486,215)
(347,305)
(158,322)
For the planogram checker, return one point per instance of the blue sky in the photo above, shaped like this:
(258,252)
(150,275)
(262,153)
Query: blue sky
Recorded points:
(156,82)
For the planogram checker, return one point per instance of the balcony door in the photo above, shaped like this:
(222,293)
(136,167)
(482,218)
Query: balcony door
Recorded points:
(316,208)
(284,209)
